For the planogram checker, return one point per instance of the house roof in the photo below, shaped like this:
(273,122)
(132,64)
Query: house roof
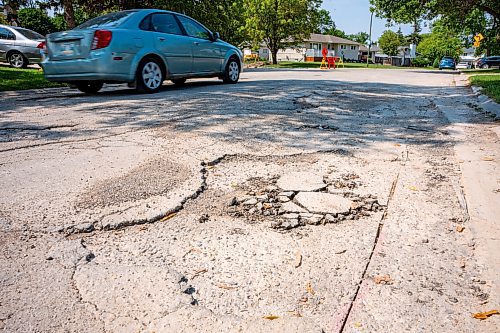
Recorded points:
(373,48)
(317,38)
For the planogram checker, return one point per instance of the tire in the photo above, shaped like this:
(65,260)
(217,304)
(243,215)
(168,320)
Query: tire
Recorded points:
(232,72)
(485,66)
(149,76)
(89,87)
(179,82)
(18,60)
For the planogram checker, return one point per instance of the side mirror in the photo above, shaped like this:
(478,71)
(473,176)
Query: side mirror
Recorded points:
(215,36)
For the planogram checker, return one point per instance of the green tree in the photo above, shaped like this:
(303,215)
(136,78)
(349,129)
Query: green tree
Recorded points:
(389,43)
(455,13)
(323,22)
(280,23)
(36,19)
(440,42)
(360,37)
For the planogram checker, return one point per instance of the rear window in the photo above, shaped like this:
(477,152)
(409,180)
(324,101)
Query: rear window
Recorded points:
(108,20)
(29,34)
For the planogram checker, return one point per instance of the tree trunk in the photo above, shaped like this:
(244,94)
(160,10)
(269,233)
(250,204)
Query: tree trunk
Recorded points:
(274,53)
(69,13)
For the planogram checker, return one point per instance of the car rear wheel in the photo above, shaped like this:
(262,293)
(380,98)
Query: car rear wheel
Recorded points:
(485,66)
(179,82)
(89,87)
(17,60)
(149,76)
(232,73)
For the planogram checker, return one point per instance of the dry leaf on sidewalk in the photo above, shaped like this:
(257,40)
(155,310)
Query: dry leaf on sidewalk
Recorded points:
(382,279)
(413,188)
(485,315)
(271,317)
(488,158)
(309,288)
(460,228)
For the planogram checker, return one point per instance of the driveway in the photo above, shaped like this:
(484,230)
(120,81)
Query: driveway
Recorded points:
(353,200)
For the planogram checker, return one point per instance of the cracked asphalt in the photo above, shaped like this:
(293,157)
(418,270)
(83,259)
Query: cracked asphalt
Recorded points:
(168,213)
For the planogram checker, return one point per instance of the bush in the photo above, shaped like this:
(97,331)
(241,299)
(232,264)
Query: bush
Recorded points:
(36,20)
(3,19)
(421,61)
(436,63)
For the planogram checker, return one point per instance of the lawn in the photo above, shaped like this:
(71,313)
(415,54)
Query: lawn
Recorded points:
(490,84)
(22,79)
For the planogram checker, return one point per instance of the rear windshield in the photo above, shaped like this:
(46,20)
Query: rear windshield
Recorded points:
(29,34)
(448,58)
(108,20)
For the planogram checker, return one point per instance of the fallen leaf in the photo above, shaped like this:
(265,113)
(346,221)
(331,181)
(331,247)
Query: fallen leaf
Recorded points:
(358,325)
(267,205)
(199,272)
(413,188)
(271,317)
(225,286)
(233,184)
(397,145)
(485,315)
(309,288)
(382,279)
(168,217)
(488,158)
(298,260)
(460,228)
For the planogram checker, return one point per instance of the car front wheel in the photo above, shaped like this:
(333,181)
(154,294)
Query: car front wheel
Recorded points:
(90,87)
(17,60)
(485,66)
(149,76)
(232,73)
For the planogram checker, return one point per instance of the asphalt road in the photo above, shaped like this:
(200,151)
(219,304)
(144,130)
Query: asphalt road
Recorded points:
(352,200)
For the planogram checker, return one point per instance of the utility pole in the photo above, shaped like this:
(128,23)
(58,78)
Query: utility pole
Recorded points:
(370,41)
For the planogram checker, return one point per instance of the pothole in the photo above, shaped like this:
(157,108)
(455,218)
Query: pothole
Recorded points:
(298,199)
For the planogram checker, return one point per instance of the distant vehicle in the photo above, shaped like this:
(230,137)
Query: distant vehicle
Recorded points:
(447,62)
(20,47)
(139,47)
(463,65)
(488,62)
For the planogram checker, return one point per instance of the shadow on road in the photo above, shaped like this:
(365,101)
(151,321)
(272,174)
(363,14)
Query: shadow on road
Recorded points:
(295,113)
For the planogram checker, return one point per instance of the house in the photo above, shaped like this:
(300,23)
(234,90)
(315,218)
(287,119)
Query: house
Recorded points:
(363,52)
(311,49)
(403,58)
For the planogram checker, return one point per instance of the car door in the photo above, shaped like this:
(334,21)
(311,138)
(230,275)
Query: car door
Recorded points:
(171,42)
(7,42)
(207,57)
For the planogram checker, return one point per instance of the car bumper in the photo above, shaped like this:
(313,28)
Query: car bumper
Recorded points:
(100,67)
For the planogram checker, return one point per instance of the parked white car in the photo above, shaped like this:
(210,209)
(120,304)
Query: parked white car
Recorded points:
(463,65)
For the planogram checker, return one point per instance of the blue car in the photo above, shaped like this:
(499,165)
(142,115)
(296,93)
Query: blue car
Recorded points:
(447,63)
(139,47)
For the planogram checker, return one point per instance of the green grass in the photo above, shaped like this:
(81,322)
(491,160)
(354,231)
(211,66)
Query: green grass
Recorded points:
(490,84)
(23,79)
(480,71)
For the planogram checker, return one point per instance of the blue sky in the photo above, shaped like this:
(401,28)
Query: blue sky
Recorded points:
(353,16)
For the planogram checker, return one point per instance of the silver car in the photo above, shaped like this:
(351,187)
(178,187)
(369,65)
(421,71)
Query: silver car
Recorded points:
(20,47)
(139,47)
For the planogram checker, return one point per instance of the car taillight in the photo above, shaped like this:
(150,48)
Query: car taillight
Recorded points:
(41,46)
(102,38)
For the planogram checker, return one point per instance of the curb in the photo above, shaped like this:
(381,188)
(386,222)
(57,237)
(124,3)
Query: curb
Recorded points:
(486,103)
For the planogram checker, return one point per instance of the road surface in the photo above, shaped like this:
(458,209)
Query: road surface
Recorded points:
(353,200)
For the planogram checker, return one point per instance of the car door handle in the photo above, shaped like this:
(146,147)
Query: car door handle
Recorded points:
(196,43)
(161,39)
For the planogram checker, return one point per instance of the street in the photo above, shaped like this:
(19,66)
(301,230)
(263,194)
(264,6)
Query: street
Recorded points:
(354,200)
